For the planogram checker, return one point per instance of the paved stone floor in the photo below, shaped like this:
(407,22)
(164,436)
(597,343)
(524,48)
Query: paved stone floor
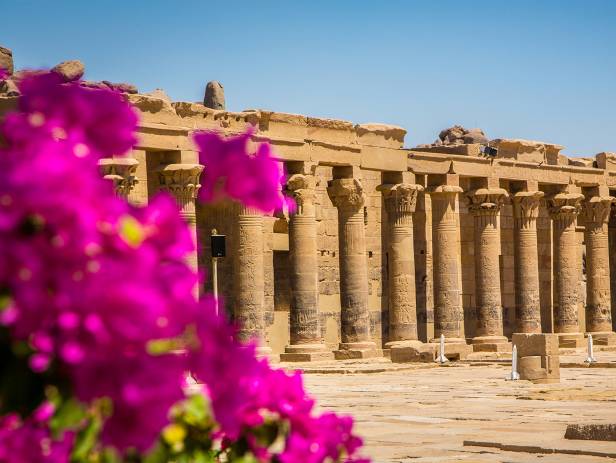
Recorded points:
(425,413)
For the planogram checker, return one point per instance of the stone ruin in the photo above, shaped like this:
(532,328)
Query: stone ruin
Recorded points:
(458,135)
(391,246)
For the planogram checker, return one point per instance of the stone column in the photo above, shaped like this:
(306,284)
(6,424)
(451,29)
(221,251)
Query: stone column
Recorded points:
(564,209)
(485,206)
(347,195)
(121,172)
(400,203)
(306,342)
(248,278)
(448,310)
(596,214)
(526,260)
(182,182)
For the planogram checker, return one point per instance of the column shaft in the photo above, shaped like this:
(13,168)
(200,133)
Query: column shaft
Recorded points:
(248,275)
(306,340)
(526,261)
(564,210)
(400,203)
(348,196)
(448,311)
(598,295)
(355,318)
(487,275)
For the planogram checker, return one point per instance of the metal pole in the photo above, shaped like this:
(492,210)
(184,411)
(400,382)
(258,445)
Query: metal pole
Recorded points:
(514,376)
(215,282)
(591,353)
(215,277)
(441,355)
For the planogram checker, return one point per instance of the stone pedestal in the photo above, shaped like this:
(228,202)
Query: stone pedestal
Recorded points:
(564,209)
(348,196)
(485,206)
(596,214)
(526,261)
(121,172)
(448,311)
(182,182)
(306,343)
(538,358)
(248,279)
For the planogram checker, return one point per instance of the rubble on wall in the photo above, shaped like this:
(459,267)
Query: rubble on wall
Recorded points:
(458,135)
(70,70)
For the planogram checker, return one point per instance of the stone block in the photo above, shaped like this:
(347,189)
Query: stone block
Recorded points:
(571,340)
(604,339)
(539,369)
(456,350)
(492,347)
(412,353)
(535,344)
(353,354)
(601,432)
(306,356)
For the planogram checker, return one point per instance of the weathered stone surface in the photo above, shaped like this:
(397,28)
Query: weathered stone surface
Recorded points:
(529,344)
(458,135)
(8,87)
(214,97)
(121,87)
(603,432)
(404,353)
(93,84)
(70,70)
(160,94)
(6,60)
(538,357)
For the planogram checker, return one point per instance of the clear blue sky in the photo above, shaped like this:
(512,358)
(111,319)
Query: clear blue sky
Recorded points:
(543,70)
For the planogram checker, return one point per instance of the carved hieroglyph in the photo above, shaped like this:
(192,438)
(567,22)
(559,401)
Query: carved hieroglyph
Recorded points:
(528,308)
(400,203)
(448,311)
(249,283)
(304,307)
(121,172)
(596,214)
(347,194)
(485,205)
(182,181)
(564,209)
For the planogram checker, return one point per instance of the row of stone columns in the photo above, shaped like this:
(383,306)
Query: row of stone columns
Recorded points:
(400,199)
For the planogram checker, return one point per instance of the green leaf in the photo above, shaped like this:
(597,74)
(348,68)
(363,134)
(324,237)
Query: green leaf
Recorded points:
(68,415)
(87,439)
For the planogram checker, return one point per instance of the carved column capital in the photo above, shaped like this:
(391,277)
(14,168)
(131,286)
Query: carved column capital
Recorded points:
(526,207)
(597,210)
(181,180)
(120,171)
(400,198)
(486,201)
(564,208)
(346,193)
(301,188)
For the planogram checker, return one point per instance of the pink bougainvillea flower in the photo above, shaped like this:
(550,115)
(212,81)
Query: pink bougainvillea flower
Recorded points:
(253,179)
(91,282)
(31,441)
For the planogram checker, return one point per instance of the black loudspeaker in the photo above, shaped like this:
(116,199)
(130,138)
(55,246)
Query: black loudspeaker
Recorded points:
(218,246)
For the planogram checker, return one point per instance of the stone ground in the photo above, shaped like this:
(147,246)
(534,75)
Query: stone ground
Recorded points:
(467,412)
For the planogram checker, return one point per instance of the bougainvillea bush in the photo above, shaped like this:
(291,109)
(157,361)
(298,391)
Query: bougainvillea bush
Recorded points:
(105,354)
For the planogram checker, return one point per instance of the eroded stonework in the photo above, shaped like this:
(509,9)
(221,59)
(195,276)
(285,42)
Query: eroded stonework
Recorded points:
(389,244)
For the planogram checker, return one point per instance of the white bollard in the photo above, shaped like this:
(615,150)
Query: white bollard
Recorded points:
(441,352)
(591,354)
(514,375)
